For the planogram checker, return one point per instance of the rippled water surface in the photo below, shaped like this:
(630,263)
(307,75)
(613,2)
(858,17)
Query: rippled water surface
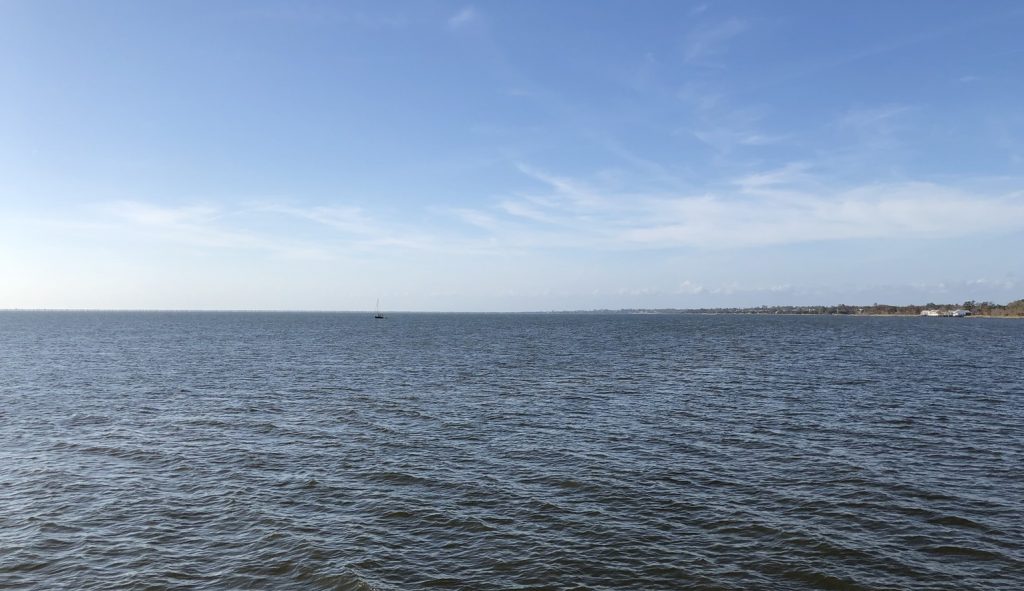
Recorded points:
(335,451)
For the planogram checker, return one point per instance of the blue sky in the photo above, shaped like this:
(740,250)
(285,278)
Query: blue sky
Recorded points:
(509,155)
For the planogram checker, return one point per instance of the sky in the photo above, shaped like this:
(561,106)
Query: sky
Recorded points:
(509,156)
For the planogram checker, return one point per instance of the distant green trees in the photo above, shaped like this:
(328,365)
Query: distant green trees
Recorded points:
(984,308)
(1014,308)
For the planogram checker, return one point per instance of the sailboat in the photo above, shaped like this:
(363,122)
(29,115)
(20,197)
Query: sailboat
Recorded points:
(378,314)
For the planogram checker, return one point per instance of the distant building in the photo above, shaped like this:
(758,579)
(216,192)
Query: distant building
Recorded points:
(959,313)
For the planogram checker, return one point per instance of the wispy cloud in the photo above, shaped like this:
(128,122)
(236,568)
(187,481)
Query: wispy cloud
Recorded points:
(707,41)
(348,219)
(770,181)
(880,211)
(200,226)
(643,169)
(725,139)
(723,126)
(787,205)
(526,209)
(327,14)
(873,119)
(566,189)
(476,218)
(699,96)
(357,230)
(154,215)
(466,17)
(690,287)
(874,130)
(333,231)
(901,40)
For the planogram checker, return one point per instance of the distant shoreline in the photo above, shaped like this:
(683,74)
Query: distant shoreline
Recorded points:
(1014,309)
(825,314)
(757,312)
(969,309)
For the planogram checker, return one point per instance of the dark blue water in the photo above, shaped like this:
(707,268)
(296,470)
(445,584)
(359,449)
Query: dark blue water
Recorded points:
(334,451)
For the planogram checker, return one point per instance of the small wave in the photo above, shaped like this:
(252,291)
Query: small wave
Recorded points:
(948,550)
(821,580)
(345,581)
(83,419)
(26,566)
(957,522)
(393,477)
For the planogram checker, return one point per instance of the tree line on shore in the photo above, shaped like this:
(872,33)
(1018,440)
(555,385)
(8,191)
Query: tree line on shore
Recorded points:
(983,308)
(975,308)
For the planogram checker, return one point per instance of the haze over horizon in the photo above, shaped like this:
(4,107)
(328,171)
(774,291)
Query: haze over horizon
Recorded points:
(488,156)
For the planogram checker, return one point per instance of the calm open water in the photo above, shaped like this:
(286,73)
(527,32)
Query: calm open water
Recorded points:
(441,451)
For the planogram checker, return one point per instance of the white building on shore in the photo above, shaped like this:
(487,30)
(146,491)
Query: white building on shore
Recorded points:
(958,313)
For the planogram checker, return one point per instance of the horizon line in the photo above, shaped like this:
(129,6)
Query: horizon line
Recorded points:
(552,311)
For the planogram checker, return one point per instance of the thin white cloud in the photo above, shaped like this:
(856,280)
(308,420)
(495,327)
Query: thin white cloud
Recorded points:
(769,181)
(690,288)
(758,139)
(874,211)
(465,17)
(566,188)
(326,14)
(705,42)
(872,119)
(1006,283)
(700,96)
(357,230)
(475,218)
(787,205)
(722,125)
(349,219)
(526,210)
(199,226)
(726,139)
(154,215)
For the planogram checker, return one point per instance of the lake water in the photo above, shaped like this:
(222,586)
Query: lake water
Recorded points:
(448,451)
